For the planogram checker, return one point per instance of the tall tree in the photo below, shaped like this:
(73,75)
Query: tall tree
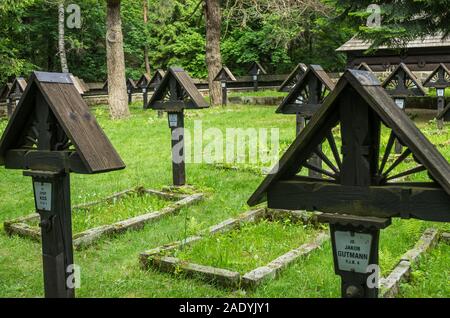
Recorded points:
(213,57)
(147,63)
(61,39)
(401,21)
(115,58)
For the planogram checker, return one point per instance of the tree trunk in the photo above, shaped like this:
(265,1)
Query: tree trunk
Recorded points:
(115,58)
(213,58)
(61,41)
(147,62)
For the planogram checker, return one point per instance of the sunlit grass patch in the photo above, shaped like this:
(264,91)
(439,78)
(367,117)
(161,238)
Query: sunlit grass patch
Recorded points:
(431,277)
(251,246)
(105,213)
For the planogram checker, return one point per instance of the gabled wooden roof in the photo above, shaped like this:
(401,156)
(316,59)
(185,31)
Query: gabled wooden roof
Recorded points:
(368,87)
(399,72)
(131,83)
(290,81)
(313,72)
(4,92)
(439,78)
(364,67)
(225,75)
(78,84)
(83,83)
(255,67)
(188,95)
(143,81)
(71,113)
(157,77)
(19,84)
(432,41)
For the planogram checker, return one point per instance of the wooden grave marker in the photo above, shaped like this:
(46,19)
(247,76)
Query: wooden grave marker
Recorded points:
(360,190)
(143,83)
(364,67)
(78,85)
(4,92)
(304,99)
(255,71)
(293,78)
(176,93)
(15,93)
(444,115)
(224,76)
(50,134)
(156,79)
(400,84)
(131,86)
(154,83)
(440,80)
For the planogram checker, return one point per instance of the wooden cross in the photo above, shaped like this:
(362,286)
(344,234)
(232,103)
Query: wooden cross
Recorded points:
(175,93)
(224,76)
(255,71)
(440,80)
(49,136)
(359,190)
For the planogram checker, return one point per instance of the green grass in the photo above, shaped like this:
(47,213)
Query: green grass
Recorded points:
(431,277)
(432,92)
(251,246)
(111,268)
(106,213)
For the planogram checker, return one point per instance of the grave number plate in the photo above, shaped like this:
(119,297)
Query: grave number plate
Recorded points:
(43,196)
(144,90)
(255,77)
(224,84)
(173,120)
(400,103)
(353,251)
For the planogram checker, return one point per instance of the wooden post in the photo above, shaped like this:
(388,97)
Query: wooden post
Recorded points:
(224,93)
(440,108)
(52,200)
(9,104)
(300,123)
(355,243)
(360,128)
(130,95)
(145,95)
(176,124)
(255,83)
(314,160)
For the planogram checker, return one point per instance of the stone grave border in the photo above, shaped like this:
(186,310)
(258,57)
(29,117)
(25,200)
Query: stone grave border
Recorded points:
(159,258)
(390,285)
(20,226)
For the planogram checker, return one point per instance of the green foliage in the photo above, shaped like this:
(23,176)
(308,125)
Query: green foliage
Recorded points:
(174,35)
(400,21)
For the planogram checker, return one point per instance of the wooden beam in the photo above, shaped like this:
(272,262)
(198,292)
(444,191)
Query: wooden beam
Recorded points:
(426,203)
(45,161)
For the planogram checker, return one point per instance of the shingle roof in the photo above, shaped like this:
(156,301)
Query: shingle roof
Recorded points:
(355,44)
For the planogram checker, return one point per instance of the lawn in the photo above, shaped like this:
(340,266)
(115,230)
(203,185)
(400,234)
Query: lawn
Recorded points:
(111,268)
(251,246)
(105,213)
